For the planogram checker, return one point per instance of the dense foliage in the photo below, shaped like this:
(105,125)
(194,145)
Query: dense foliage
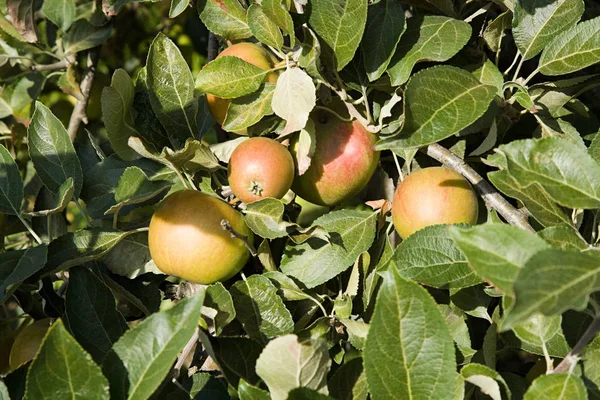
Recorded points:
(105,110)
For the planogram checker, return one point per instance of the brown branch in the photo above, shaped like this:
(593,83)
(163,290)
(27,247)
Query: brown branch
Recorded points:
(213,47)
(50,67)
(78,115)
(571,359)
(492,198)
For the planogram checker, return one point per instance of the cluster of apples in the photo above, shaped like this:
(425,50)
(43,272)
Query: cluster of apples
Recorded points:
(186,236)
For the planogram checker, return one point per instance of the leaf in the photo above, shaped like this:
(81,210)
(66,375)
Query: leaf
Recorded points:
(497,252)
(349,382)
(236,357)
(536,24)
(573,50)
(402,358)
(557,386)
(456,321)
(494,32)
(134,187)
(263,28)
(286,363)
(146,122)
(117,114)
(59,201)
(52,152)
(224,149)
(488,380)
(112,7)
(357,332)
(473,301)
(248,110)
(194,156)
(287,288)
(551,282)
(275,10)
(82,36)
(226,18)
(260,310)
(171,90)
(62,369)
(566,172)
(265,218)
(309,58)
(538,330)
(219,299)
(351,231)
(564,237)
(427,38)
(92,314)
(249,392)
(22,15)
(307,143)
(143,356)
(131,257)
(60,12)
(229,77)
(442,113)
(385,25)
(11,184)
(177,7)
(430,257)
(294,98)
(340,25)
(17,266)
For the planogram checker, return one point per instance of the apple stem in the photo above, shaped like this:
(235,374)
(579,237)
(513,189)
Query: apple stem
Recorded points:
(236,235)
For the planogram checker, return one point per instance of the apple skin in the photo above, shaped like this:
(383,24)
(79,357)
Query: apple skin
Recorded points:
(251,53)
(27,343)
(431,196)
(259,168)
(186,238)
(343,162)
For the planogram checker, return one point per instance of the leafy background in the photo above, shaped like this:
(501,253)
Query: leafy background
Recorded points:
(103,113)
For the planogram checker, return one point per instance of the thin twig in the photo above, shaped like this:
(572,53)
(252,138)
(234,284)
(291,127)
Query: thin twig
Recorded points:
(213,47)
(236,235)
(174,374)
(30,229)
(79,114)
(492,198)
(571,359)
(50,67)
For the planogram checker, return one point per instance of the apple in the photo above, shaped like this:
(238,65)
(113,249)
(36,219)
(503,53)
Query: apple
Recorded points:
(431,196)
(343,162)
(260,167)
(186,238)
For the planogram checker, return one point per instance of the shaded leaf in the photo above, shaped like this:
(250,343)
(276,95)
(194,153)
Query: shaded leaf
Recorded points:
(219,299)
(229,77)
(131,257)
(349,382)
(557,386)
(22,15)
(58,201)
(226,18)
(60,12)
(263,28)
(16,266)
(83,35)
(488,380)
(11,184)
(248,110)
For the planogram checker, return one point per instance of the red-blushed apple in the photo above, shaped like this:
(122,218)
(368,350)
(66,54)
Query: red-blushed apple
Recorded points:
(343,162)
(186,238)
(259,168)
(431,196)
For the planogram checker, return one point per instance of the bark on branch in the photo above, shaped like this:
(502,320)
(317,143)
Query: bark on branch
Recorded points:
(78,115)
(571,359)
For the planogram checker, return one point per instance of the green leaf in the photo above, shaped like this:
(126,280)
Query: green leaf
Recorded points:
(536,24)
(131,257)
(58,201)
(219,299)
(236,357)
(194,156)
(573,50)
(60,12)
(349,382)
(551,282)
(143,356)
(226,18)
(134,187)
(278,14)
(11,184)
(260,310)
(385,26)
(177,7)
(249,392)
(430,257)
(497,252)
(4,395)
(563,237)
(340,24)
(456,321)
(427,38)
(22,13)
(112,7)
(567,173)
(16,266)
(52,152)
(83,35)
(149,127)
(558,387)
(494,32)
(171,89)
(538,330)
(248,110)
(62,369)
(488,380)
(92,314)
(473,301)
(287,288)
(351,231)
(286,363)
(230,77)
(117,114)
(402,356)
(309,58)
(442,113)
(263,28)
(303,393)
(293,99)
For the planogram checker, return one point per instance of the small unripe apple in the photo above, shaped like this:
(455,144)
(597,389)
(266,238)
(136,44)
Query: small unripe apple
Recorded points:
(251,53)
(260,167)
(186,238)
(431,196)
(27,343)
(343,162)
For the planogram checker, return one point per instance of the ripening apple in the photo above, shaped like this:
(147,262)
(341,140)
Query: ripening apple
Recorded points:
(343,162)
(259,168)
(431,196)
(186,238)
(251,53)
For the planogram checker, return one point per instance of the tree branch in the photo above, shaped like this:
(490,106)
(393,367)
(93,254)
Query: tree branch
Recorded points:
(571,359)
(213,47)
(78,115)
(50,67)
(492,198)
